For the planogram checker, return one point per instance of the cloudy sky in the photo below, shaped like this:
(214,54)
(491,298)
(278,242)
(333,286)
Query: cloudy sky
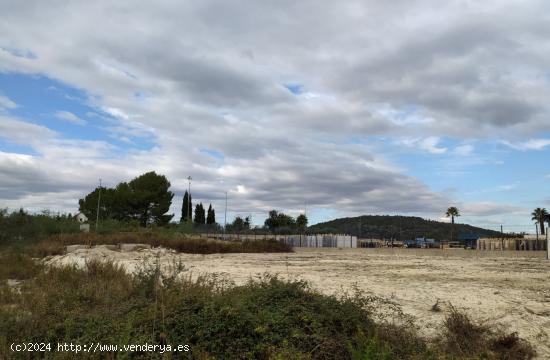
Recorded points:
(350,107)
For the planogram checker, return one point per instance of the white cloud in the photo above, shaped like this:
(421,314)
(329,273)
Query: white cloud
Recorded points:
(464,150)
(532,144)
(22,132)
(213,83)
(70,117)
(489,209)
(6,103)
(429,144)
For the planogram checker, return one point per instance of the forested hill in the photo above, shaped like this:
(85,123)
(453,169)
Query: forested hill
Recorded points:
(398,227)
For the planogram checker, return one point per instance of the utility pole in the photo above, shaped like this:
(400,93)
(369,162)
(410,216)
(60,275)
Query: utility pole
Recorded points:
(189,205)
(97,213)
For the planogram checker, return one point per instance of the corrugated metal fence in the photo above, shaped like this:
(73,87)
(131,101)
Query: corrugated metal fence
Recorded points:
(298,240)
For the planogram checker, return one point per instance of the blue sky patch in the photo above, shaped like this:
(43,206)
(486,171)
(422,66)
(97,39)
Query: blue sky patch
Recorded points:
(64,109)
(295,89)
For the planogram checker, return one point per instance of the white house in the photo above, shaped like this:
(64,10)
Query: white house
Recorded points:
(83,220)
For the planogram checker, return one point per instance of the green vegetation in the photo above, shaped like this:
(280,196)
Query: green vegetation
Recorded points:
(55,245)
(265,319)
(540,216)
(239,225)
(47,234)
(452,212)
(200,216)
(280,223)
(467,339)
(20,228)
(397,227)
(186,208)
(211,216)
(145,199)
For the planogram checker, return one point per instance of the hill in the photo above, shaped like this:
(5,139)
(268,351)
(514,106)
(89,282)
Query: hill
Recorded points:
(398,227)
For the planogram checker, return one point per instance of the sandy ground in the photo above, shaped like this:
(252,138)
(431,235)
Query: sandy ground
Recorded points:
(507,288)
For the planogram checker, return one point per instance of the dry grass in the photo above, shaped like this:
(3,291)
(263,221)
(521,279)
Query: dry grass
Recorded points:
(468,339)
(267,318)
(55,245)
(18,266)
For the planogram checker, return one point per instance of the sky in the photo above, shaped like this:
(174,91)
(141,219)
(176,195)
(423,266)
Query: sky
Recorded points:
(336,108)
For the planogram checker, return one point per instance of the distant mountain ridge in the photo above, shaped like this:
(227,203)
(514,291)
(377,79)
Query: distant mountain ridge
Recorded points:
(397,227)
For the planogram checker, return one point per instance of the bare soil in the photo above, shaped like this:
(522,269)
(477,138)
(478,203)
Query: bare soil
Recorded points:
(509,289)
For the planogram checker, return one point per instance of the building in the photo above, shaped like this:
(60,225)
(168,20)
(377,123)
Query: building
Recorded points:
(468,240)
(83,221)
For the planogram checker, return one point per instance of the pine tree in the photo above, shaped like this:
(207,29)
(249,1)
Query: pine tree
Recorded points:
(211,216)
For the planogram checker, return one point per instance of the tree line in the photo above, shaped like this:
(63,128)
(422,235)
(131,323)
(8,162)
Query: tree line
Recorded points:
(147,199)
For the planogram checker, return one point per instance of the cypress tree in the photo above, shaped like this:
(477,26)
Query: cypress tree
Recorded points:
(199,214)
(190,209)
(211,216)
(185,207)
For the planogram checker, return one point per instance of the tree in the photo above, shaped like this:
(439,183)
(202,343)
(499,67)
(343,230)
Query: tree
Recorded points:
(301,223)
(239,224)
(185,208)
(146,198)
(121,204)
(540,215)
(151,198)
(199,214)
(211,216)
(452,212)
(88,205)
(280,222)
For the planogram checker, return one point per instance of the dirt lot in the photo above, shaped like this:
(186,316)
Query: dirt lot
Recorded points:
(507,288)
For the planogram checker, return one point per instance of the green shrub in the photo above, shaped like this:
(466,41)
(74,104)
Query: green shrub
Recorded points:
(264,319)
(267,318)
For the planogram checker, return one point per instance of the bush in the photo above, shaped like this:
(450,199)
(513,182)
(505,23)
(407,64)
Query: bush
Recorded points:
(55,245)
(465,338)
(21,229)
(264,319)
(267,318)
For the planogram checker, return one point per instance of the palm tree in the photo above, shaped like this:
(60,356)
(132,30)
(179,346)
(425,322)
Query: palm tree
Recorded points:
(540,216)
(452,212)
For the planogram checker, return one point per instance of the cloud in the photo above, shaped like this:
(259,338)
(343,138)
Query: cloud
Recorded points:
(464,150)
(429,144)
(22,132)
(6,103)
(70,117)
(489,209)
(532,144)
(433,76)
